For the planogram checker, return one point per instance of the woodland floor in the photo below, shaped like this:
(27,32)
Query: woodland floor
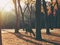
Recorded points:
(11,38)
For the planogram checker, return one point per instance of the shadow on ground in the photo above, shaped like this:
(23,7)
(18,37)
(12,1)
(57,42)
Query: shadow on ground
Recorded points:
(32,39)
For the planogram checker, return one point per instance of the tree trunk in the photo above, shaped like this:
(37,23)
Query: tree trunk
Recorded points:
(0,29)
(58,13)
(0,37)
(17,17)
(21,13)
(38,13)
(46,17)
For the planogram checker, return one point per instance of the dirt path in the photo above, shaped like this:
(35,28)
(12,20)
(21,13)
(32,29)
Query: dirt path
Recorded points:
(11,38)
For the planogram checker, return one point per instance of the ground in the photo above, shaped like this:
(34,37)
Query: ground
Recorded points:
(11,38)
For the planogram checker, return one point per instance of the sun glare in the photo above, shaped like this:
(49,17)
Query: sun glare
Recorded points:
(6,5)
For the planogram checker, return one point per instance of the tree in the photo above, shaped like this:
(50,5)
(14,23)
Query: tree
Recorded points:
(0,29)
(17,17)
(52,10)
(29,9)
(46,17)
(28,25)
(22,13)
(38,13)
(58,12)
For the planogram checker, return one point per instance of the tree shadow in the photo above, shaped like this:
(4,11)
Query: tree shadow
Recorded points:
(54,34)
(21,36)
(50,42)
(53,37)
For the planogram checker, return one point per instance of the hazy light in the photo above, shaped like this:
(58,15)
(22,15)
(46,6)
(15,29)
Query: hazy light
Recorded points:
(48,0)
(6,5)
